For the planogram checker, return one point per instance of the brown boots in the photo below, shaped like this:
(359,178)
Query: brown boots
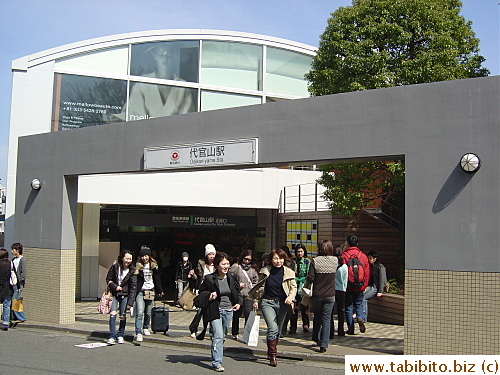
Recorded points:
(272,350)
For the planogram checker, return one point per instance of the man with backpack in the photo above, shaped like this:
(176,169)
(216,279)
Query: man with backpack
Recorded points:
(358,276)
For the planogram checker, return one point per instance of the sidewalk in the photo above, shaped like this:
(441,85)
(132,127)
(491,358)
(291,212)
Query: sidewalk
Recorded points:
(378,338)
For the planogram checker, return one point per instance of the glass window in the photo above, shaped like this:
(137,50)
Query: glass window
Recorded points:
(285,72)
(217,100)
(302,232)
(148,100)
(231,64)
(113,60)
(176,60)
(81,101)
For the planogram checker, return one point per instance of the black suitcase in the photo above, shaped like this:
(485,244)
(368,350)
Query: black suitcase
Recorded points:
(159,319)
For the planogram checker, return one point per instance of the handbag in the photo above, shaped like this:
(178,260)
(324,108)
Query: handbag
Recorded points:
(13,276)
(104,306)
(187,299)
(307,291)
(17,305)
(251,333)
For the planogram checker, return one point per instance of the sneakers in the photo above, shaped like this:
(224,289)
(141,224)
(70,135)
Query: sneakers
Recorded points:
(146,332)
(111,341)
(121,340)
(193,335)
(218,368)
(138,338)
(362,327)
(235,337)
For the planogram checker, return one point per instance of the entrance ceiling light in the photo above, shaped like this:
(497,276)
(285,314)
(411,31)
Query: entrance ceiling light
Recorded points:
(470,163)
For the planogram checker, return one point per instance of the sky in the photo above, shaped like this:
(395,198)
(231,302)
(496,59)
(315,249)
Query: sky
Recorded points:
(30,26)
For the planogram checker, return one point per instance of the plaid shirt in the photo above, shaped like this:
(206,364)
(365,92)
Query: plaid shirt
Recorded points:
(301,271)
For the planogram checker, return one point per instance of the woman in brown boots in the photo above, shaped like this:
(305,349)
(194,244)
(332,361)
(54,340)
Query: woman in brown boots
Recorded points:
(276,290)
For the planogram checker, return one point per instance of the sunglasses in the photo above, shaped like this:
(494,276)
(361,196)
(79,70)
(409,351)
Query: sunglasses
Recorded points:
(248,259)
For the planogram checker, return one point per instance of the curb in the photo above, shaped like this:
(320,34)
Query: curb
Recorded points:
(165,340)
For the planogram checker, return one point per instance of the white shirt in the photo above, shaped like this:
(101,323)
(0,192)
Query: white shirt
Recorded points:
(148,277)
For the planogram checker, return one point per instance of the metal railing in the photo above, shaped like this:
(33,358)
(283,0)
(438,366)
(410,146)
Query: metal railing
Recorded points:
(302,198)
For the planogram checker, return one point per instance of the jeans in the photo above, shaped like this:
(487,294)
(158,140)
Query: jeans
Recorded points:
(6,301)
(368,294)
(322,309)
(180,288)
(274,313)
(218,329)
(353,304)
(245,310)
(142,312)
(18,315)
(340,302)
(119,302)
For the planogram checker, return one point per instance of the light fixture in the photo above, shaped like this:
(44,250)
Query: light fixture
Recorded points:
(470,163)
(36,184)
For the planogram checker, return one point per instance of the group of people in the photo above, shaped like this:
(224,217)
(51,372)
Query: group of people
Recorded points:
(12,282)
(279,285)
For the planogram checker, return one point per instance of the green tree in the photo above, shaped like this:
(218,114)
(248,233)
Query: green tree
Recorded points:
(383,43)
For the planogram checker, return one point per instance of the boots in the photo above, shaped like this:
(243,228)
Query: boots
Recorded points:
(272,351)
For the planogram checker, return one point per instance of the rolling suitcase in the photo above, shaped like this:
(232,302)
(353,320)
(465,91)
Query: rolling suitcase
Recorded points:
(159,319)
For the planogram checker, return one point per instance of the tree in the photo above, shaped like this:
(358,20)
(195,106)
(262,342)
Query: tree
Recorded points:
(383,43)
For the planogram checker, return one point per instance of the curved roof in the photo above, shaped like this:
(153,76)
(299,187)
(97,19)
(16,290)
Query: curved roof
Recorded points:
(88,45)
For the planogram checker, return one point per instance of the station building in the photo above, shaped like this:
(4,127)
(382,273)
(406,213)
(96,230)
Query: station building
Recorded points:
(176,138)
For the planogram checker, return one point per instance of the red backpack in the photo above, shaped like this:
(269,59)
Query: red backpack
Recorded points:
(355,272)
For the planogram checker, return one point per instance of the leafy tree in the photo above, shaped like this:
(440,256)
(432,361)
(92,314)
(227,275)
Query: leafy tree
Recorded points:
(383,43)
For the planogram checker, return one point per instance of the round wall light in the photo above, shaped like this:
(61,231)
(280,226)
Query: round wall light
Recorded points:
(470,163)
(36,184)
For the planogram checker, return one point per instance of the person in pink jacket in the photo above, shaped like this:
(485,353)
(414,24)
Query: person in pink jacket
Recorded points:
(354,292)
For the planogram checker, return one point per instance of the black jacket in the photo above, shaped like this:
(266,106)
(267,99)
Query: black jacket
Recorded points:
(129,283)
(5,287)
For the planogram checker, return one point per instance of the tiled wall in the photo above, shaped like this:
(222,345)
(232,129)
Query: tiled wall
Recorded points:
(49,295)
(450,312)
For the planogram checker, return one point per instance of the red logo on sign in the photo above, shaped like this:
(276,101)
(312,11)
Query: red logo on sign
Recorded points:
(175,155)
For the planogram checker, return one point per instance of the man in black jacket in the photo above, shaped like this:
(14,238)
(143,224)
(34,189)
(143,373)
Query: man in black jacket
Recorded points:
(378,281)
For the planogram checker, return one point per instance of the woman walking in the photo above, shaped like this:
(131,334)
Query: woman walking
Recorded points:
(247,277)
(148,286)
(204,267)
(322,276)
(6,290)
(122,282)
(276,290)
(224,289)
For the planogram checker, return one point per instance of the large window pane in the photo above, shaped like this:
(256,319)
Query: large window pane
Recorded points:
(217,100)
(176,60)
(285,72)
(231,64)
(112,60)
(81,101)
(148,100)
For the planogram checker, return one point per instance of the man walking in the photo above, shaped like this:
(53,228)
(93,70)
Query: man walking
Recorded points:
(358,271)
(19,263)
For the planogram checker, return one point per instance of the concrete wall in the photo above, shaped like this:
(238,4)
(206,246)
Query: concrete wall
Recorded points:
(451,217)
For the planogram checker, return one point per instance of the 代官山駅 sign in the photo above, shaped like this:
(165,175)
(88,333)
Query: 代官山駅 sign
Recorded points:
(220,153)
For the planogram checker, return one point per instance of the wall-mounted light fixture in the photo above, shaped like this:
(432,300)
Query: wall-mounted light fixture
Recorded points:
(36,184)
(470,163)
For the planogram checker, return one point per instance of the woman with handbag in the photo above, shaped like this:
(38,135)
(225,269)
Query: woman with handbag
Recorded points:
(276,290)
(122,283)
(322,275)
(6,289)
(224,290)
(19,265)
(247,277)
(148,286)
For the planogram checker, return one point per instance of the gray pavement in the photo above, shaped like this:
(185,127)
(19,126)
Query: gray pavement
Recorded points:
(379,339)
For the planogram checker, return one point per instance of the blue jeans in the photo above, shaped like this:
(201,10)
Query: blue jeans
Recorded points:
(119,304)
(353,303)
(274,313)
(218,330)
(322,309)
(17,295)
(142,312)
(368,294)
(6,301)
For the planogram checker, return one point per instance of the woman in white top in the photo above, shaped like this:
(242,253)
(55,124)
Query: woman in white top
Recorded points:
(122,283)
